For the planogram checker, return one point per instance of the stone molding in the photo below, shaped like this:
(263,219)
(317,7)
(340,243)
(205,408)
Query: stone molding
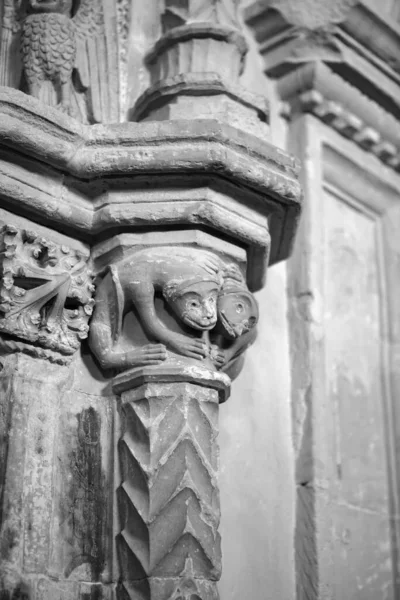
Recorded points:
(348,22)
(199,84)
(358,43)
(257,176)
(326,58)
(45,296)
(316,89)
(190,373)
(194,31)
(189,319)
(197,34)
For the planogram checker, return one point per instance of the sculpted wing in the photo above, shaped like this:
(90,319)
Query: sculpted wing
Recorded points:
(96,58)
(12,15)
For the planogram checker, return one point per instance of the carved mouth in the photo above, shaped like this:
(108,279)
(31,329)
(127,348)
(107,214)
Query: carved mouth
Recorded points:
(229,329)
(203,326)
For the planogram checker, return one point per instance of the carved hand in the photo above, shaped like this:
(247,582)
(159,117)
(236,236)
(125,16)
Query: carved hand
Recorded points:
(193,348)
(151,354)
(217,355)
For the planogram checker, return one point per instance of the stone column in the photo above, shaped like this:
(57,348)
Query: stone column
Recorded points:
(189,318)
(169,546)
(179,215)
(195,68)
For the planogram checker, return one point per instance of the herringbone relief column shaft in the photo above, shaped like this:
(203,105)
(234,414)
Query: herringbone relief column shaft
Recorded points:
(168,545)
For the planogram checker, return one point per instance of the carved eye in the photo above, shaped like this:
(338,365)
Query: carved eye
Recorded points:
(193,304)
(239,308)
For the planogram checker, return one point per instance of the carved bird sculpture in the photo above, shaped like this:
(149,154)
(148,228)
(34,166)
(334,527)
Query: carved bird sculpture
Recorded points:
(48,48)
(63,47)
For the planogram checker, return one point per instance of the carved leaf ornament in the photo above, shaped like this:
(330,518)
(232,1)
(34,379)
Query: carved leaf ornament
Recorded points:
(45,293)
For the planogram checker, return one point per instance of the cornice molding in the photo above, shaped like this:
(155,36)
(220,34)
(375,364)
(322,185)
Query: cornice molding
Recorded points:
(198,84)
(316,89)
(55,139)
(39,145)
(376,32)
(357,42)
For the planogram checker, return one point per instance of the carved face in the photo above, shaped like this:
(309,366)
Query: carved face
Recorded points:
(196,306)
(51,6)
(238,312)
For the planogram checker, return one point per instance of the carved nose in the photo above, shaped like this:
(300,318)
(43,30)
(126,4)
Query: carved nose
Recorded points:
(209,313)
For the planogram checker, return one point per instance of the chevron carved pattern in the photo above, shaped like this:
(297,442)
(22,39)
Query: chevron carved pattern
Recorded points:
(168,545)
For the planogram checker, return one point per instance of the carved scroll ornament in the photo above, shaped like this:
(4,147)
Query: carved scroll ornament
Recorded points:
(45,296)
(209,299)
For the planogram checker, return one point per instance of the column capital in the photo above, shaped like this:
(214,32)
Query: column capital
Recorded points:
(191,313)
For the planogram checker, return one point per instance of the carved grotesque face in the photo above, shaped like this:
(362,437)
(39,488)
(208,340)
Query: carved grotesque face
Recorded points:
(237,311)
(196,306)
(51,6)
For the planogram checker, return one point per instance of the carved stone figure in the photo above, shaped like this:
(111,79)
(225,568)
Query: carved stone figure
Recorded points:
(48,47)
(189,282)
(62,45)
(45,296)
(205,295)
(236,327)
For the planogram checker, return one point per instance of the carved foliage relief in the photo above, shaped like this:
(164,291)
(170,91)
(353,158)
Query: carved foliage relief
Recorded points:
(215,313)
(45,295)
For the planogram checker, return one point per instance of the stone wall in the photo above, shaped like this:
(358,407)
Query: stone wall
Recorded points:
(336,70)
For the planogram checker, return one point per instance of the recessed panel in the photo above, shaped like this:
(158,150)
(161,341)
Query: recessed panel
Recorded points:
(360,529)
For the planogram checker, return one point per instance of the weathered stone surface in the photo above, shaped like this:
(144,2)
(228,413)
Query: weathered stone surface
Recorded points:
(355,38)
(148,165)
(31,392)
(343,343)
(62,46)
(55,484)
(45,295)
(181,218)
(168,498)
(213,315)
(317,89)
(195,66)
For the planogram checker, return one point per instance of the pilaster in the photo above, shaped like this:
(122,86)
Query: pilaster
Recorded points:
(336,71)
